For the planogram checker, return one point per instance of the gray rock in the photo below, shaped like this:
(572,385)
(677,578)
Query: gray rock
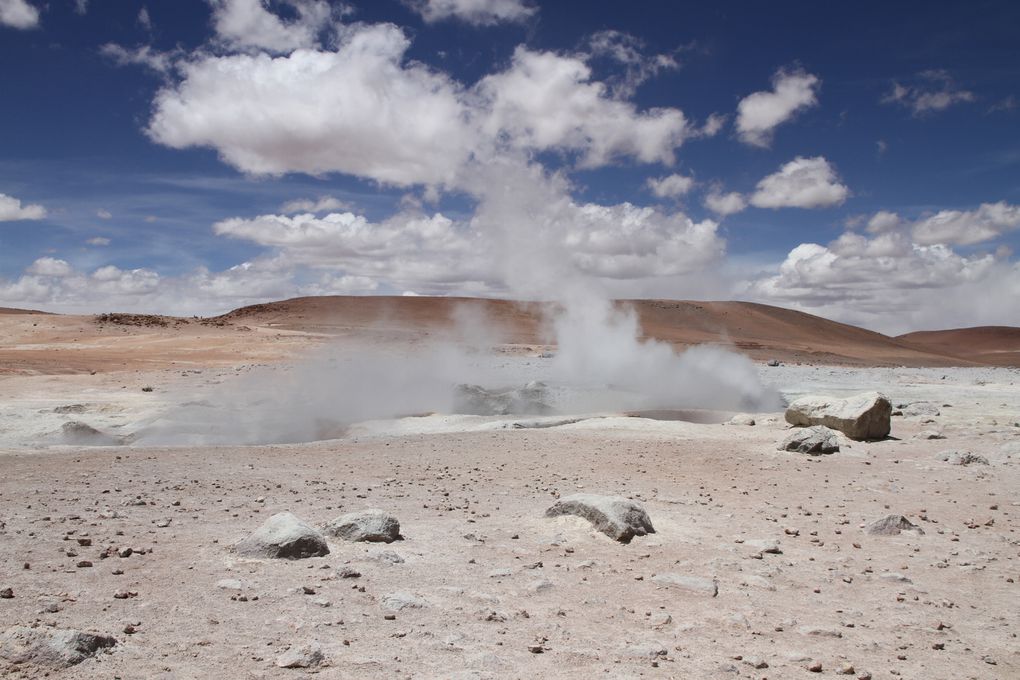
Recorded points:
(51,647)
(82,434)
(812,440)
(892,525)
(693,584)
(528,400)
(617,517)
(367,525)
(283,536)
(862,417)
(962,458)
(402,600)
(742,419)
(302,656)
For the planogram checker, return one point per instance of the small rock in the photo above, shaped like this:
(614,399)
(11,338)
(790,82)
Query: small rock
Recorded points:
(815,667)
(50,647)
(283,536)
(813,440)
(892,525)
(617,517)
(402,600)
(368,525)
(303,656)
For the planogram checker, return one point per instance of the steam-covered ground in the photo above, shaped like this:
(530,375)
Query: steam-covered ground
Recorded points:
(492,575)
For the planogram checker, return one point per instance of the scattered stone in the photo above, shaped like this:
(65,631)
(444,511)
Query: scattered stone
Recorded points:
(772,363)
(815,667)
(368,525)
(742,419)
(50,647)
(962,458)
(124,552)
(283,536)
(402,600)
(812,440)
(694,584)
(347,572)
(846,669)
(650,650)
(303,656)
(162,523)
(617,517)
(82,434)
(862,417)
(7,593)
(892,525)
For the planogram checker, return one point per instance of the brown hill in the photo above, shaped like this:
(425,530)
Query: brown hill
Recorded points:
(761,331)
(12,310)
(996,345)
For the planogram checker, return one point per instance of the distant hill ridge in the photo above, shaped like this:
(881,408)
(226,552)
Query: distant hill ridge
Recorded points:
(761,331)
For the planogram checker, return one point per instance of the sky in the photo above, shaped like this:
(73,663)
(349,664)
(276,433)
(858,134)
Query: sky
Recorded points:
(859,161)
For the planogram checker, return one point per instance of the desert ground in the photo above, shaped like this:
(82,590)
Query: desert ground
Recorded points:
(759,565)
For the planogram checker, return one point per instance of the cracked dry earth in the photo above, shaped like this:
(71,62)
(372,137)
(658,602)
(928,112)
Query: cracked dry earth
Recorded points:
(489,588)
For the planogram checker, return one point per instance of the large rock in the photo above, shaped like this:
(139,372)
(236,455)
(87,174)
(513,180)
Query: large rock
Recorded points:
(813,440)
(283,536)
(478,401)
(617,517)
(862,417)
(892,525)
(50,647)
(368,525)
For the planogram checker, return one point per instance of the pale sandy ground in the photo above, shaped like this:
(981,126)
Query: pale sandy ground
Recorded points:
(496,576)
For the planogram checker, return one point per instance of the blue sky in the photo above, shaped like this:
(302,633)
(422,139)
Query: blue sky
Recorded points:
(861,162)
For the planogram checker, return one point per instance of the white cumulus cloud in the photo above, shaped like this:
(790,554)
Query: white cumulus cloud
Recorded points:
(548,101)
(891,283)
(724,204)
(11,209)
(967,227)
(801,183)
(477,12)
(247,24)
(358,110)
(18,14)
(759,114)
(670,186)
